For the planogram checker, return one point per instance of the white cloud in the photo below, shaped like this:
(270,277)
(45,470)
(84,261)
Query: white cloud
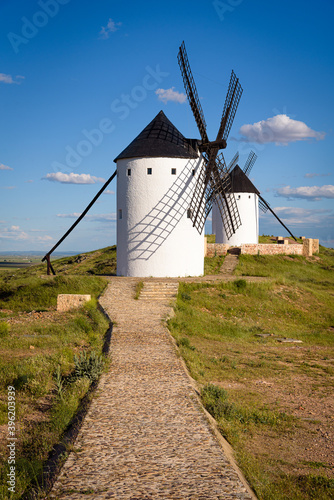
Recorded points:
(73,178)
(9,79)
(300,216)
(5,167)
(45,238)
(311,175)
(279,129)
(108,191)
(13,233)
(166,95)
(110,28)
(312,193)
(93,218)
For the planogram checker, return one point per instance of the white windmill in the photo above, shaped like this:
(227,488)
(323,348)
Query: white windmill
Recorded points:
(246,196)
(156,175)
(248,200)
(166,186)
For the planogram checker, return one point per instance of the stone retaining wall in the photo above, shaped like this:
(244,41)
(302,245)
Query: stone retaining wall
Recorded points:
(213,249)
(308,248)
(268,249)
(67,301)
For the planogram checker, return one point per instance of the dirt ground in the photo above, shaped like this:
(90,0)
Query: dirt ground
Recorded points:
(307,448)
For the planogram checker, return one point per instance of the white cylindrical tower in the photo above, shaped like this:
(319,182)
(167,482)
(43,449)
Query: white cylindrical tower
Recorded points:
(156,175)
(246,196)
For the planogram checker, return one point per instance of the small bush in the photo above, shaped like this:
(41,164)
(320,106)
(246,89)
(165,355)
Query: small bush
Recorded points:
(185,343)
(138,288)
(88,365)
(4,329)
(215,401)
(21,381)
(59,382)
(240,284)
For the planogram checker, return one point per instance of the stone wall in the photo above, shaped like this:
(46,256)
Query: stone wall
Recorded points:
(67,301)
(308,248)
(213,249)
(268,249)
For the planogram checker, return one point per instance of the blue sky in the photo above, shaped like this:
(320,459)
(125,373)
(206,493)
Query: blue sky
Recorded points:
(79,80)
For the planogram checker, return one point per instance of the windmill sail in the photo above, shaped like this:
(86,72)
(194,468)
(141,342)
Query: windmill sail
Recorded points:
(233,162)
(212,181)
(230,107)
(190,88)
(252,157)
(263,207)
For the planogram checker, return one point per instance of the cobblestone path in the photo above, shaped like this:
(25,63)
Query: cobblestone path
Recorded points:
(145,436)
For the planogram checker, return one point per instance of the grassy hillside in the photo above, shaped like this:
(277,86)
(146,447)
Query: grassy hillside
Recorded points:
(98,262)
(263,354)
(48,360)
(272,399)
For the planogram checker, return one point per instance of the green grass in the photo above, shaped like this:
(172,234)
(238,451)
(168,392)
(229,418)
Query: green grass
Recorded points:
(210,238)
(138,288)
(50,362)
(212,265)
(227,334)
(97,262)
(28,293)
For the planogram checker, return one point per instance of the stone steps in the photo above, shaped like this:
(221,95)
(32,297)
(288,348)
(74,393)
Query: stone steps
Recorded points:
(158,290)
(229,264)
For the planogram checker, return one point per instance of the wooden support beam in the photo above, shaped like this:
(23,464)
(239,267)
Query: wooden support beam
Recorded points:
(47,256)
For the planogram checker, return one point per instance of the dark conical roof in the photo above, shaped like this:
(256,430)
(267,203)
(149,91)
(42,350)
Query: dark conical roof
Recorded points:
(159,139)
(241,183)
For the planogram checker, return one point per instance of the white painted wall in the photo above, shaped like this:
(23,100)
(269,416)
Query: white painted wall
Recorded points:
(154,236)
(248,232)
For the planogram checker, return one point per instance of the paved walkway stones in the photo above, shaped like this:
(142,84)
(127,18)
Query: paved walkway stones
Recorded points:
(145,436)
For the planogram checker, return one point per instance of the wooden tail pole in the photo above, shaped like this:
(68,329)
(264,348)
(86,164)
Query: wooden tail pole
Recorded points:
(49,265)
(47,256)
(279,220)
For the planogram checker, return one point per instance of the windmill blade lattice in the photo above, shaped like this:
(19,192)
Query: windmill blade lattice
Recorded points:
(218,189)
(233,162)
(212,183)
(225,199)
(190,88)
(263,207)
(230,107)
(252,157)
(201,199)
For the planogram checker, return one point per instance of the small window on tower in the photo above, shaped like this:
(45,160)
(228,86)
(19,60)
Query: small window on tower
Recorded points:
(173,171)
(120,214)
(194,171)
(189,213)
(149,171)
(249,196)
(129,172)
